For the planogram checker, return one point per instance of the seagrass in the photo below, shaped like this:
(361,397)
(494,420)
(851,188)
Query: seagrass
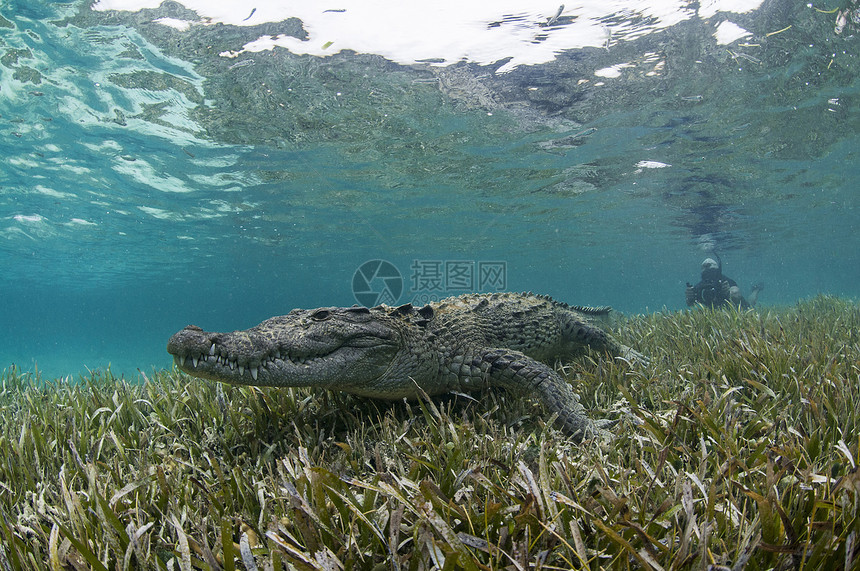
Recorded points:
(736,448)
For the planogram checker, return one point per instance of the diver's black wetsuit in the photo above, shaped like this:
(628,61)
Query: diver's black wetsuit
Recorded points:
(713,291)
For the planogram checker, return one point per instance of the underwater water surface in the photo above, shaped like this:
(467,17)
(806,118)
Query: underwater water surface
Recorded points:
(178,162)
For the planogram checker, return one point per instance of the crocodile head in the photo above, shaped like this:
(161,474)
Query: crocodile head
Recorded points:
(330,347)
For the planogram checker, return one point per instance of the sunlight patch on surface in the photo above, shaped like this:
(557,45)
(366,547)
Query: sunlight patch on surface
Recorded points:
(447,31)
(728,32)
(144,173)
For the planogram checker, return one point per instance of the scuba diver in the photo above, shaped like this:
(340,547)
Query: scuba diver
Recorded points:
(715,289)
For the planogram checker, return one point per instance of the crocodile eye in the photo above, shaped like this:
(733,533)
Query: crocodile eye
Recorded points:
(321,315)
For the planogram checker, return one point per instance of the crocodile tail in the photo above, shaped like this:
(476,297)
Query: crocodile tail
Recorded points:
(588,310)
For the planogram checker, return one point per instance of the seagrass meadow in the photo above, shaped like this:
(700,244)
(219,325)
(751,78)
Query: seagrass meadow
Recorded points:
(736,448)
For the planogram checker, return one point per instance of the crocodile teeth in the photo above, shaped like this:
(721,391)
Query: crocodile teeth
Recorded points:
(212,356)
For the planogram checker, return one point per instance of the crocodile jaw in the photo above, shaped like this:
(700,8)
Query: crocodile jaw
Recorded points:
(278,357)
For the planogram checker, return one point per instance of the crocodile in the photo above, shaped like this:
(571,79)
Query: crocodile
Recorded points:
(462,343)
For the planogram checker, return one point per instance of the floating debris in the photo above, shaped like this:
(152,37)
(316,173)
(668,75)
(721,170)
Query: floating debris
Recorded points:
(554,19)
(652,165)
(740,55)
(243,63)
(769,34)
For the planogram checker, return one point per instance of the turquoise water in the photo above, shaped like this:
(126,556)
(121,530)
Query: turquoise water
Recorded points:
(149,183)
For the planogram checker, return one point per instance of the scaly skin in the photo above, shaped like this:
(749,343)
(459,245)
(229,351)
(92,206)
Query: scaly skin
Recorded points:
(461,343)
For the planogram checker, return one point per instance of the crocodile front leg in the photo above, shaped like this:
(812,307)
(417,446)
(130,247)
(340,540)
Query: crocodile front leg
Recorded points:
(517,372)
